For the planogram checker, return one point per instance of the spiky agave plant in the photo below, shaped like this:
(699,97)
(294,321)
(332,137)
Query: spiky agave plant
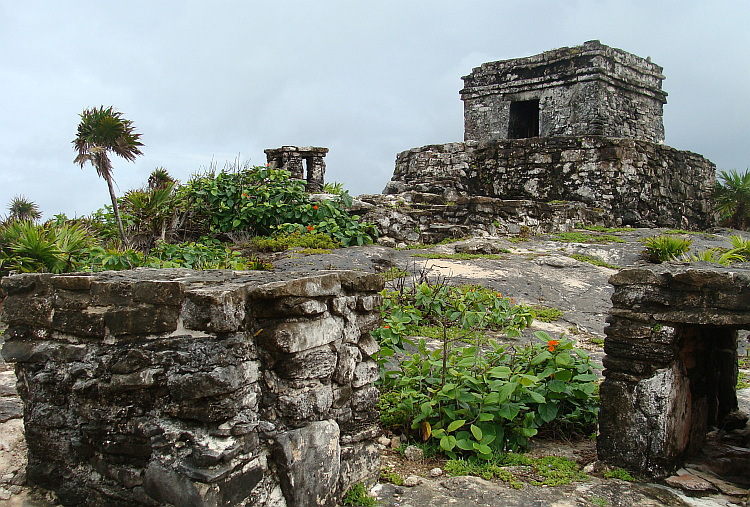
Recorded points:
(665,247)
(732,196)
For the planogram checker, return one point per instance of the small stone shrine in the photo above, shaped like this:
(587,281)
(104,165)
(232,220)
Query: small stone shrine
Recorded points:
(671,362)
(291,158)
(196,388)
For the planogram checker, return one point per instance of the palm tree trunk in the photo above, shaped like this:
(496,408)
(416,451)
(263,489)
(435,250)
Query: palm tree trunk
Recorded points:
(115,209)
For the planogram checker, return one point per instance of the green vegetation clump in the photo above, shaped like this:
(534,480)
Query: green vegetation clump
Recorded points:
(481,398)
(555,470)
(387,475)
(358,496)
(665,247)
(582,237)
(732,198)
(601,228)
(596,261)
(284,241)
(267,201)
(547,314)
(618,473)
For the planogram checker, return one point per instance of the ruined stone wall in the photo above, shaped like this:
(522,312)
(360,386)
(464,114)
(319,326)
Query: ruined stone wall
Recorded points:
(590,89)
(671,361)
(154,387)
(635,183)
(413,217)
(640,183)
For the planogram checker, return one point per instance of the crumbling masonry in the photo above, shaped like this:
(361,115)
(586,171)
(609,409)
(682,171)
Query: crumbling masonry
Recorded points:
(152,387)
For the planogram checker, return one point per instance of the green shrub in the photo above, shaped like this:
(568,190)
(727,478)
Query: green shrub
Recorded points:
(715,255)
(596,261)
(284,241)
(741,247)
(484,397)
(210,254)
(26,247)
(665,247)
(264,201)
(358,496)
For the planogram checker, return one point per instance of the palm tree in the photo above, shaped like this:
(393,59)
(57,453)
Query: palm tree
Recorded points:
(101,131)
(732,196)
(21,208)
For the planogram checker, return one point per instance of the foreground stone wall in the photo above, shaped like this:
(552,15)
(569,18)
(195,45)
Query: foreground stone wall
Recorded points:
(156,387)
(636,183)
(671,361)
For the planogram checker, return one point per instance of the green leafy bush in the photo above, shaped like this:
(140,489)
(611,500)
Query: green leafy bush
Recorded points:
(284,241)
(665,247)
(483,397)
(210,254)
(482,401)
(264,200)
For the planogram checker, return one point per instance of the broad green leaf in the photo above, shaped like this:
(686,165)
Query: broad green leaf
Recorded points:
(448,442)
(538,398)
(509,411)
(547,411)
(482,448)
(465,444)
(455,425)
(476,431)
(563,375)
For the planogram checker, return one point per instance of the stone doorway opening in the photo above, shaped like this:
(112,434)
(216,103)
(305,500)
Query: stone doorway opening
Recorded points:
(524,119)
(671,367)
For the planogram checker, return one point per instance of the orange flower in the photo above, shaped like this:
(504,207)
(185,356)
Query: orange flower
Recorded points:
(551,344)
(315,206)
(511,301)
(499,295)
(387,326)
(310,228)
(244,194)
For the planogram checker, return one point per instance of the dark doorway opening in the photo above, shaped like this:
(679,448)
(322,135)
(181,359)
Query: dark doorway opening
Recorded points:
(524,119)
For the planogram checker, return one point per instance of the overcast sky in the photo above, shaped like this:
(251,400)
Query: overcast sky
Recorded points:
(205,81)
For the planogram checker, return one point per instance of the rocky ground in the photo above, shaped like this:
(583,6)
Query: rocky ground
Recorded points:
(539,271)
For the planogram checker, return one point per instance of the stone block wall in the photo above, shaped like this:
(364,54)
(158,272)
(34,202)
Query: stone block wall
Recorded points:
(155,387)
(414,217)
(592,89)
(671,361)
(639,183)
(635,183)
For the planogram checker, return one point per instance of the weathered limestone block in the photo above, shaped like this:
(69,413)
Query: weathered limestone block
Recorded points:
(195,388)
(310,459)
(296,336)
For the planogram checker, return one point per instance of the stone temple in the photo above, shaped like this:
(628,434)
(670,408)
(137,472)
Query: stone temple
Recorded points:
(567,137)
(587,90)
